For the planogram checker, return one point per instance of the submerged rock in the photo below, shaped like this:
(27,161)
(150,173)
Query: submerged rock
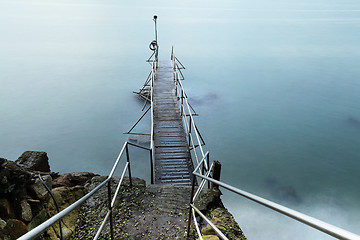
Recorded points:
(282,192)
(353,121)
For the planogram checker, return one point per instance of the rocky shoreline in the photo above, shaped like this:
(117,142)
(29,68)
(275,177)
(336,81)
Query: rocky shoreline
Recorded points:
(141,211)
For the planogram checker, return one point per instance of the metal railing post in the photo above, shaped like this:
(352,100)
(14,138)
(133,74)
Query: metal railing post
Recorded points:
(128,160)
(208,166)
(191,202)
(110,210)
(151,167)
(190,132)
(182,102)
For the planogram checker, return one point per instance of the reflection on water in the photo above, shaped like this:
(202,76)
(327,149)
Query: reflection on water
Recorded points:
(275,84)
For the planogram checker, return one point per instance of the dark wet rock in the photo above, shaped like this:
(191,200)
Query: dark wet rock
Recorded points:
(73,179)
(40,217)
(39,190)
(15,228)
(25,211)
(4,207)
(210,204)
(34,161)
(14,180)
(208,199)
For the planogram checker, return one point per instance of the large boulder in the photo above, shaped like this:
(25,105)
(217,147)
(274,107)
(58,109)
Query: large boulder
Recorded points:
(15,228)
(73,179)
(13,180)
(34,161)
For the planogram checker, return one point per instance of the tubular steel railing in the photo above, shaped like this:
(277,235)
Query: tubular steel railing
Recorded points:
(111,200)
(195,140)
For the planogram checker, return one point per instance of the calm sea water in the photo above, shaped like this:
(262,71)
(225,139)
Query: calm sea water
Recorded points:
(276,84)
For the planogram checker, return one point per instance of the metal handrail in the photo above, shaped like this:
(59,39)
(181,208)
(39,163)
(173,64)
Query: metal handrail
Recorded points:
(303,218)
(48,223)
(186,108)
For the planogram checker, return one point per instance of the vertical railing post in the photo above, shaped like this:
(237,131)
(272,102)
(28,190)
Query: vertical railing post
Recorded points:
(151,167)
(110,210)
(191,202)
(182,102)
(203,168)
(208,166)
(190,132)
(128,160)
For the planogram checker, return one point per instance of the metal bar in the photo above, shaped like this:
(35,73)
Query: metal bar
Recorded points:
(138,134)
(110,211)
(196,224)
(197,167)
(139,120)
(312,222)
(218,232)
(190,131)
(193,145)
(146,82)
(179,62)
(151,167)
(187,104)
(203,142)
(117,160)
(128,161)
(102,226)
(201,186)
(48,223)
(152,124)
(119,185)
(209,168)
(194,114)
(191,202)
(142,96)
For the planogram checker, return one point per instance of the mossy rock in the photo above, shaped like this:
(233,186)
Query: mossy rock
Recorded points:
(210,237)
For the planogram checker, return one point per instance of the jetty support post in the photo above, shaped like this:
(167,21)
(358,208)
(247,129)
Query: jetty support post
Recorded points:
(216,174)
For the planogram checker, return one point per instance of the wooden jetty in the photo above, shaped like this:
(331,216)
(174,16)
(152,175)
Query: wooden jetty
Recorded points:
(172,161)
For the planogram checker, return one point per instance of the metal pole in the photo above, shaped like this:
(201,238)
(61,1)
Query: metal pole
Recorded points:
(157,45)
(191,202)
(110,210)
(208,166)
(190,133)
(128,160)
(151,167)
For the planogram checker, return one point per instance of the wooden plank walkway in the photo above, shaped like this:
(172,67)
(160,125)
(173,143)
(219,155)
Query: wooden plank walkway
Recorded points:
(172,157)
